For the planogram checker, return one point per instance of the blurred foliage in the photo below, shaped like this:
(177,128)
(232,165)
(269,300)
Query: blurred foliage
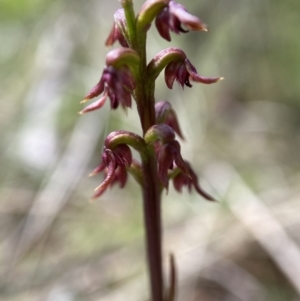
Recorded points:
(57,246)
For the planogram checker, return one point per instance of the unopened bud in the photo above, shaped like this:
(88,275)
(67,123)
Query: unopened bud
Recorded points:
(161,132)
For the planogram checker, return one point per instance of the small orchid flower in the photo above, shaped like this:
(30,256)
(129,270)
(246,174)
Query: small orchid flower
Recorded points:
(172,17)
(118,31)
(167,155)
(117,81)
(184,72)
(116,35)
(114,164)
(118,85)
(164,113)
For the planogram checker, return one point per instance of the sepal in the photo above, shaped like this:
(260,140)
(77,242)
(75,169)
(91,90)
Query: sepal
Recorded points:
(125,137)
(121,57)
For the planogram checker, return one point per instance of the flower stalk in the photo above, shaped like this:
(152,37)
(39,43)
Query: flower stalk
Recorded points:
(127,76)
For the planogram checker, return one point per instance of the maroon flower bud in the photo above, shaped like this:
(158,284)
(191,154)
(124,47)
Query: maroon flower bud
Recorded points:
(172,17)
(164,113)
(191,180)
(161,132)
(118,85)
(118,30)
(114,164)
(116,35)
(183,72)
(168,154)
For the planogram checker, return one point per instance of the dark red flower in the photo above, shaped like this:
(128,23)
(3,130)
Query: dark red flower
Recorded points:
(167,155)
(183,72)
(114,164)
(118,85)
(172,17)
(190,180)
(118,29)
(116,35)
(164,113)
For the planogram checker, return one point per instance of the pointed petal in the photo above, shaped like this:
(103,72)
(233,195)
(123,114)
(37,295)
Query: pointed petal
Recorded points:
(178,182)
(120,176)
(190,21)
(178,159)
(195,183)
(96,90)
(166,156)
(194,76)
(182,75)
(98,169)
(172,121)
(111,167)
(162,24)
(122,155)
(171,74)
(95,105)
(112,37)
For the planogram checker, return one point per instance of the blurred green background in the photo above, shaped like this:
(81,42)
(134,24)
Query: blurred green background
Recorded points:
(242,136)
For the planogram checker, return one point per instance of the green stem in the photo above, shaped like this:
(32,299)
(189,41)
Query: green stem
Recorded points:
(152,221)
(130,19)
(144,96)
(151,191)
(144,92)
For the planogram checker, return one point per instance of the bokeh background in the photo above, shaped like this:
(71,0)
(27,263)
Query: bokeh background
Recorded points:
(242,136)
